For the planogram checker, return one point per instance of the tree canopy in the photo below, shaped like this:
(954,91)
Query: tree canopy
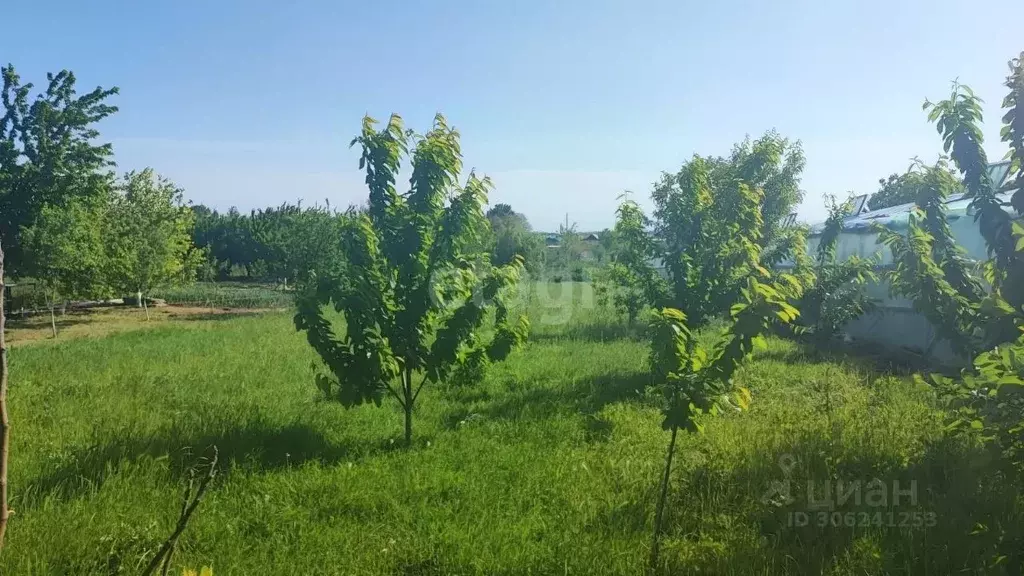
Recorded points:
(65,250)
(151,234)
(48,152)
(716,215)
(287,242)
(511,236)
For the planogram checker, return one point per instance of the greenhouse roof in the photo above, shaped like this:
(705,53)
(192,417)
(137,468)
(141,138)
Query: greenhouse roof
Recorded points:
(898,216)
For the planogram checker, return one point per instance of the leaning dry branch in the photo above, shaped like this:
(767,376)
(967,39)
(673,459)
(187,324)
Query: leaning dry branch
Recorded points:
(189,504)
(5,424)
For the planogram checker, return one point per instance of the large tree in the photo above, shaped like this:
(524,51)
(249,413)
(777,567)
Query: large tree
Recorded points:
(834,293)
(417,287)
(929,268)
(150,235)
(48,152)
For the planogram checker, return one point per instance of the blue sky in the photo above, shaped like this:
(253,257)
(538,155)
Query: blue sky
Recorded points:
(563,103)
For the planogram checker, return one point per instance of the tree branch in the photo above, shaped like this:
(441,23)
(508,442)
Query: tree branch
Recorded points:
(188,507)
(418,388)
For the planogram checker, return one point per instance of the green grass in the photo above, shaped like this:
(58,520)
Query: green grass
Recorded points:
(226,295)
(549,467)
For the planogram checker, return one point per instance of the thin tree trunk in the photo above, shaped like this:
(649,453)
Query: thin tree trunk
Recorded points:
(145,307)
(5,424)
(53,321)
(138,296)
(656,540)
(407,389)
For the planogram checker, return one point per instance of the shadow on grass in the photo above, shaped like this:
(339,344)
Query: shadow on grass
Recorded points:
(42,321)
(964,514)
(862,355)
(218,316)
(252,447)
(537,401)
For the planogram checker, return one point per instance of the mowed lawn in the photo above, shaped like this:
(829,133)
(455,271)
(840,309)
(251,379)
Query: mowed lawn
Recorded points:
(551,466)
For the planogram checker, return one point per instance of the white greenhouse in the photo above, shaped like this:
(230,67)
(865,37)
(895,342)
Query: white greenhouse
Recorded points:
(895,324)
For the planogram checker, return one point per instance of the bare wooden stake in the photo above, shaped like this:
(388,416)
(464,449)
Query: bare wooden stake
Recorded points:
(5,424)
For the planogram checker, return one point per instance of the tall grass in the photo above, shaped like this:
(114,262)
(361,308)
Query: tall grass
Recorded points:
(549,466)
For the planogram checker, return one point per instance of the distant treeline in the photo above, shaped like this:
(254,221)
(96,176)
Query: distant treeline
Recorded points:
(286,243)
(289,242)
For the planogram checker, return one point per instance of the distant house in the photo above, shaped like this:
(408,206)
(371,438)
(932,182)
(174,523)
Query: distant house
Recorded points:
(552,240)
(590,242)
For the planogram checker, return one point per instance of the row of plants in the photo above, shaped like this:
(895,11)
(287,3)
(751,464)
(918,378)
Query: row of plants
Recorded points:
(425,299)
(424,303)
(709,228)
(67,221)
(420,292)
(282,243)
(227,295)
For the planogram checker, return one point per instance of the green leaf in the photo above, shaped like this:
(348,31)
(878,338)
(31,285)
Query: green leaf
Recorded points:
(759,342)
(742,397)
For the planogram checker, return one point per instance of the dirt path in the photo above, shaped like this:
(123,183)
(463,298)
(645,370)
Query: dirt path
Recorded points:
(104,321)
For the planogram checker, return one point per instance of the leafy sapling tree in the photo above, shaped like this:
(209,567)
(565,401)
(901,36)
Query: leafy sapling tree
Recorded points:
(929,269)
(958,120)
(569,251)
(835,294)
(990,394)
(418,286)
(150,236)
(696,382)
(715,212)
(66,253)
(635,285)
